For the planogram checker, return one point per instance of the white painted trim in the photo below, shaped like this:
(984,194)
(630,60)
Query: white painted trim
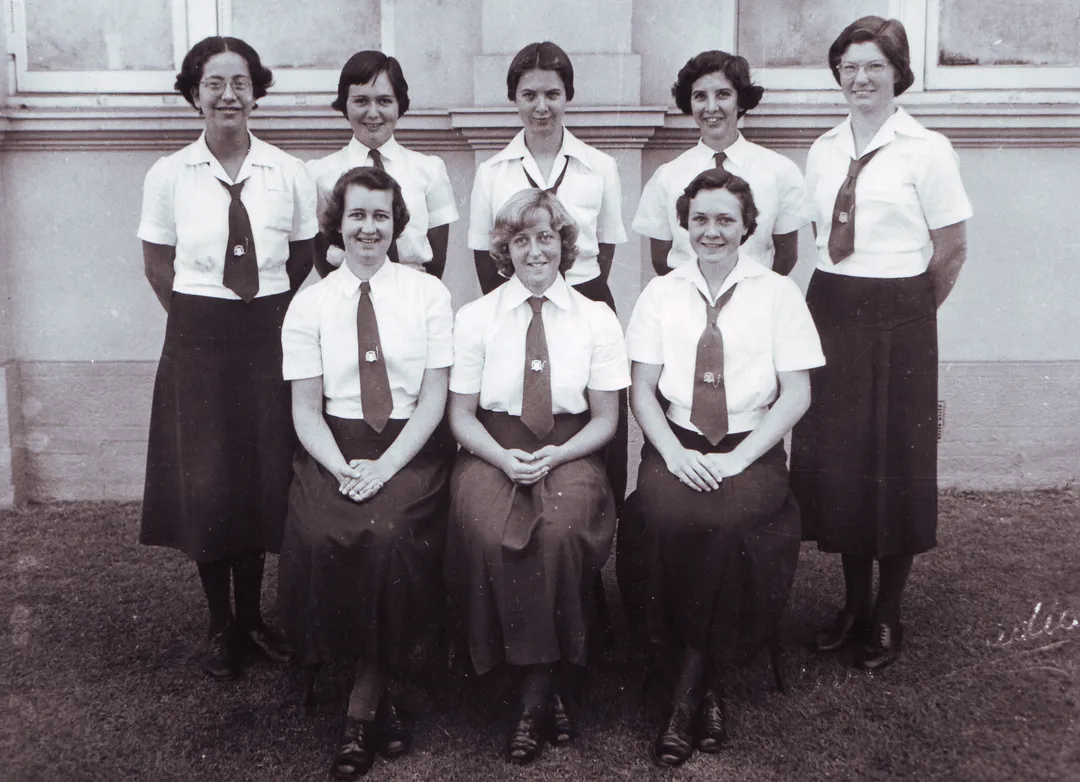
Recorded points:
(387,27)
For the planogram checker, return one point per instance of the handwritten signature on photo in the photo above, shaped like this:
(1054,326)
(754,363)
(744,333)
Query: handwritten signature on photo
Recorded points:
(1041,623)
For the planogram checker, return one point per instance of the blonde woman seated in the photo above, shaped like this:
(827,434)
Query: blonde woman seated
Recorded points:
(728,343)
(534,400)
(367,350)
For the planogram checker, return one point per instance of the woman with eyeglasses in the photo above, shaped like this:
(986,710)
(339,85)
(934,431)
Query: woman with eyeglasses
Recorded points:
(890,215)
(227,226)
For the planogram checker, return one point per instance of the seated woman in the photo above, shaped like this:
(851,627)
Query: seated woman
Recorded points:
(368,351)
(728,343)
(534,400)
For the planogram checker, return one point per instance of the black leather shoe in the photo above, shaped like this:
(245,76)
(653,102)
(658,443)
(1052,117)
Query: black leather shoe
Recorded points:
(711,726)
(355,755)
(674,745)
(394,739)
(219,657)
(884,646)
(846,628)
(269,643)
(563,731)
(527,738)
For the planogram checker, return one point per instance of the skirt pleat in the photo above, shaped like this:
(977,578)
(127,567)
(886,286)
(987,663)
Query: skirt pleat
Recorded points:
(710,570)
(864,457)
(527,602)
(219,456)
(363,579)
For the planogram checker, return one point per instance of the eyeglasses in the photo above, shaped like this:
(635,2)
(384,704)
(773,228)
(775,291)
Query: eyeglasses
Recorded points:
(849,69)
(241,85)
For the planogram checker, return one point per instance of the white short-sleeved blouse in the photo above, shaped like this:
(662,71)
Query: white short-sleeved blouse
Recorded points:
(185,206)
(415,329)
(910,187)
(766,329)
(584,338)
(425,186)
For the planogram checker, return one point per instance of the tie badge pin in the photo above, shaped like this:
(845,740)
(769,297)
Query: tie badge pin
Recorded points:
(371,356)
(713,379)
(842,217)
(537,365)
(238,250)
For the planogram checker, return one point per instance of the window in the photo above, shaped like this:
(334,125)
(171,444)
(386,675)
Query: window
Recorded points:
(136,46)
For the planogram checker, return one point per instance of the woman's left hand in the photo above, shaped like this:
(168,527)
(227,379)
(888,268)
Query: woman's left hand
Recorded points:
(550,456)
(727,464)
(373,476)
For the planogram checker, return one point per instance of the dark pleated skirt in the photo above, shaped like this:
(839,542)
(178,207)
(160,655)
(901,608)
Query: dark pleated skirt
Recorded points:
(710,570)
(363,579)
(219,457)
(532,604)
(864,457)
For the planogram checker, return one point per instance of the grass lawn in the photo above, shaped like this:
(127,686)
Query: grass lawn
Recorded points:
(98,677)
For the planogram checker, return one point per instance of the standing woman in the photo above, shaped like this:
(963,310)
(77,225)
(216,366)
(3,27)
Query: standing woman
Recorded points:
(227,224)
(534,399)
(715,89)
(545,155)
(373,95)
(727,343)
(890,222)
(368,351)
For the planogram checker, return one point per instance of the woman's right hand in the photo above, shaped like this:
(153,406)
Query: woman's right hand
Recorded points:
(693,469)
(522,467)
(348,477)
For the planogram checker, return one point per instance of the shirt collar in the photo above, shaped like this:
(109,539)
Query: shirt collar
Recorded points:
(572,146)
(513,294)
(745,268)
(899,123)
(736,152)
(348,283)
(360,154)
(259,154)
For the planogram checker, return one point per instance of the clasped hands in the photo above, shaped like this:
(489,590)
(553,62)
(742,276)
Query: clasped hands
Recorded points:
(703,471)
(525,468)
(361,479)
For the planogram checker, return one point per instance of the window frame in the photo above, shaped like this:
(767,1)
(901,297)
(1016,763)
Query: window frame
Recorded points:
(192,20)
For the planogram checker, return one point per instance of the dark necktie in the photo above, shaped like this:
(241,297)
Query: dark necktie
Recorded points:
(720,157)
(554,189)
(374,381)
(377,161)
(241,274)
(842,235)
(708,410)
(536,411)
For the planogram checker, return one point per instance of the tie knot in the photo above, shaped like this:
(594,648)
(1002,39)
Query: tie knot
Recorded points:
(234,190)
(720,157)
(365,288)
(376,159)
(537,303)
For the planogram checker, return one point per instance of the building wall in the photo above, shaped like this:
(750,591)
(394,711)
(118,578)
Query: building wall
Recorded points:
(80,330)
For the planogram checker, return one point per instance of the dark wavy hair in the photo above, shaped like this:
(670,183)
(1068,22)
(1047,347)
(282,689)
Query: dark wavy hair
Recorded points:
(364,66)
(890,37)
(370,178)
(719,179)
(735,69)
(191,70)
(515,215)
(544,56)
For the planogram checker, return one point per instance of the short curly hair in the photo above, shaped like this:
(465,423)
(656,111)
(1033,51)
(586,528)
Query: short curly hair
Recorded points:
(543,56)
(191,70)
(889,35)
(735,69)
(516,214)
(720,179)
(366,66)
(369,178)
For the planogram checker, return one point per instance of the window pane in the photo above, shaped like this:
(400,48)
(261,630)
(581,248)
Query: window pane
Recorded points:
(783,34)
(307,35)
(1001,32)
(105,35)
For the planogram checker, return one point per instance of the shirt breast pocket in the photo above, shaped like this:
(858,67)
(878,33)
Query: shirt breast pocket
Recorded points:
(583,197)
(279,210)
